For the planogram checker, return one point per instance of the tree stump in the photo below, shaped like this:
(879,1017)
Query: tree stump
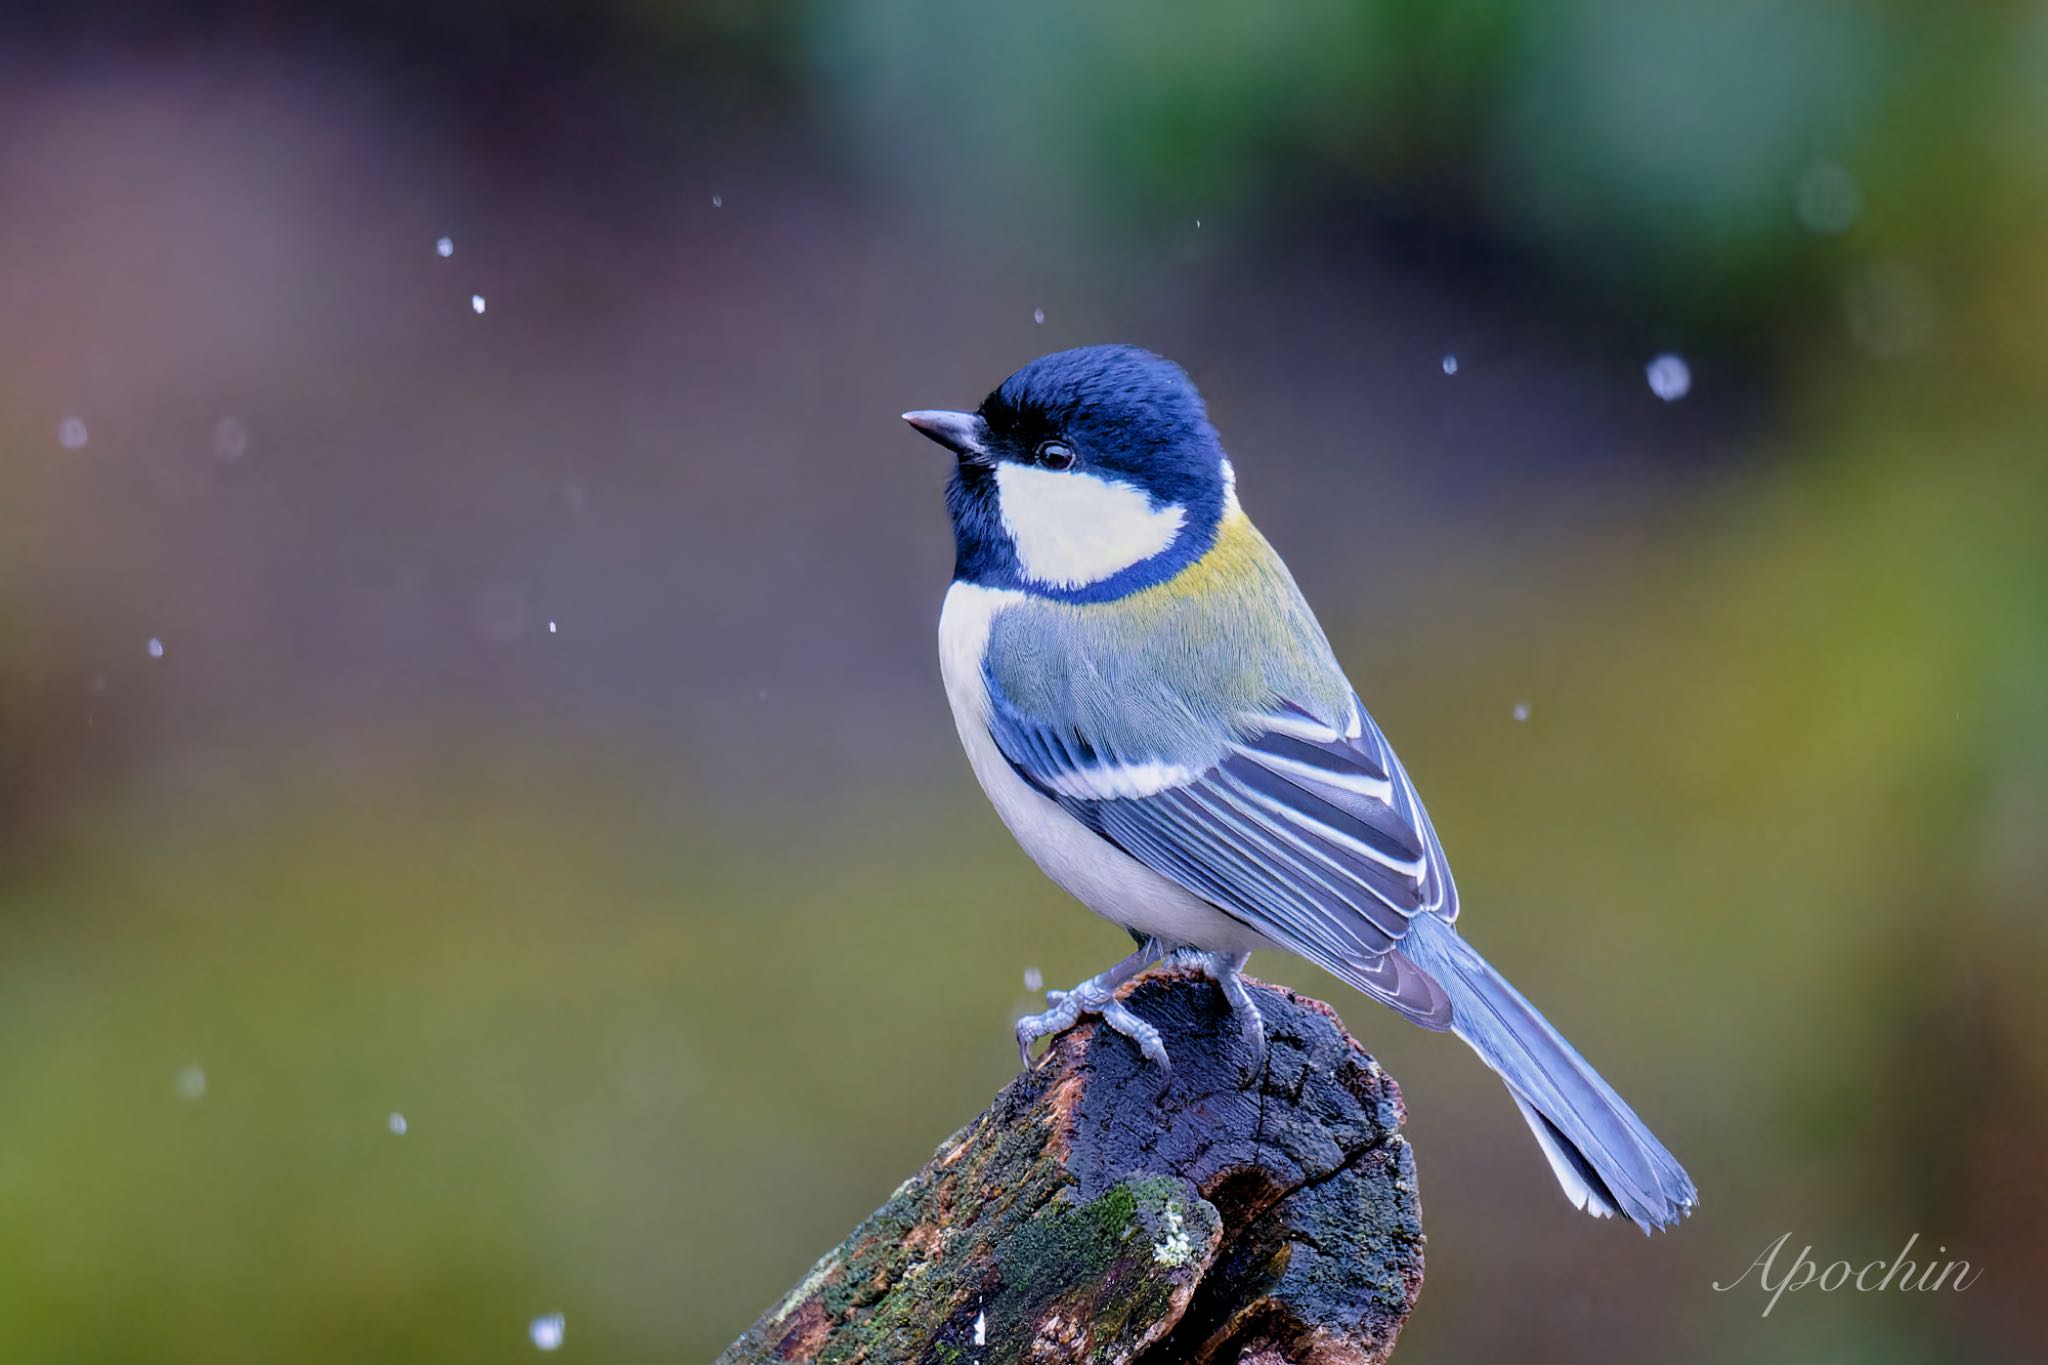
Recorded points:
(1100,1211)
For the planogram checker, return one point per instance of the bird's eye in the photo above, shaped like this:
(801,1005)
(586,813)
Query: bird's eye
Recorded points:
(1054,455)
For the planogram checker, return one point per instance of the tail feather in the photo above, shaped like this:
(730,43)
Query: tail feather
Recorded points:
(1582,1184)
(1604,1157)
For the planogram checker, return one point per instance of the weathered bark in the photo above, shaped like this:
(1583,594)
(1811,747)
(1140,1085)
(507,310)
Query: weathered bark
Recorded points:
(1094,1214)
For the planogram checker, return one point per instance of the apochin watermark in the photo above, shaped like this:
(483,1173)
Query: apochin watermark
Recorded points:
(1874,1278)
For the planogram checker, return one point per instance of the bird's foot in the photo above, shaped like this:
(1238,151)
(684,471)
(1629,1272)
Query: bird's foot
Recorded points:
(1227,971)
(1097,996)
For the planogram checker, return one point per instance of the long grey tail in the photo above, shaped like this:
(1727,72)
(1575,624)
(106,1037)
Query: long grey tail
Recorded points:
(1607,1161)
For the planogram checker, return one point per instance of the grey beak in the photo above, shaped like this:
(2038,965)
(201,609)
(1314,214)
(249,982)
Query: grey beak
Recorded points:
(959,432)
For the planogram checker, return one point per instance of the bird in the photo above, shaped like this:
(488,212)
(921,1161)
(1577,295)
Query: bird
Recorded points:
(1157,716)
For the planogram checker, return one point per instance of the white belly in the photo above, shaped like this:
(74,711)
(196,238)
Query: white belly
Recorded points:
(1088,867)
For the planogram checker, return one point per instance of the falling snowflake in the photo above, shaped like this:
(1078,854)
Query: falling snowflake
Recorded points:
(1670,377)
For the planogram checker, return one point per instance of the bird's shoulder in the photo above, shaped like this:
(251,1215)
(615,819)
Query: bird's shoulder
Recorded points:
(1186,660)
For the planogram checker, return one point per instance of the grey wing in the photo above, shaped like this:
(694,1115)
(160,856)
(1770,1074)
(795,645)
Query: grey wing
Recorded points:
(1309,832)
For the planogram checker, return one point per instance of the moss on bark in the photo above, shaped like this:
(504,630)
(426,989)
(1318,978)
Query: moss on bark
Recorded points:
(1092,1214)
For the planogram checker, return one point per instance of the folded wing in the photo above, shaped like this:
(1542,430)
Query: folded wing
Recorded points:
(1302,826)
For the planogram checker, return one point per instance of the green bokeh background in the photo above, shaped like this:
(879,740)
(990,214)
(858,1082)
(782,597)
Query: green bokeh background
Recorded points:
(546,744)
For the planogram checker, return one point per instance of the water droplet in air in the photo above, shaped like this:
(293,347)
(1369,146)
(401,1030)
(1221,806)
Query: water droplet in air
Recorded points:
(445,247)
(1670,377)
(71,433)
(156,648)
(718,201)
(230,439)
(1198,222)
(1828,198)
(476,303)
(551,627)
(1450,364)
(1038,316)
(1034,979)
(191,1083)
(396,1123)
(547,1331)
(1521,711)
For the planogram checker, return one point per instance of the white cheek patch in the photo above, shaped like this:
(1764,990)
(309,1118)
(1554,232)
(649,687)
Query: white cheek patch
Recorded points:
(1073,529)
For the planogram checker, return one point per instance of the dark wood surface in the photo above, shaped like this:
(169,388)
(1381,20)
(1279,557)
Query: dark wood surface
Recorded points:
(1102,1211)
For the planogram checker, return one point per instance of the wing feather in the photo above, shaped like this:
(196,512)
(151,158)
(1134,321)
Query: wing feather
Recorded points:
(1205,728)
(1310,835)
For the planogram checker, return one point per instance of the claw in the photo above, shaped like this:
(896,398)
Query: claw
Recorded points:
(1097,996)
(1118,1016)
(1066,1009)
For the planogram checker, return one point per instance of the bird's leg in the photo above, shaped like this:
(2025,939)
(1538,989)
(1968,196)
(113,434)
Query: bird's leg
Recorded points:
(1226,970)
(1097,996)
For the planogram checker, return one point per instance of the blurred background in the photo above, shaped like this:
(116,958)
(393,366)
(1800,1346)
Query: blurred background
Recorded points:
(481,835)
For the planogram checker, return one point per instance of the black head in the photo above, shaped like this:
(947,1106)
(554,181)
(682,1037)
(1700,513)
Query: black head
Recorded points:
(1086,475)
